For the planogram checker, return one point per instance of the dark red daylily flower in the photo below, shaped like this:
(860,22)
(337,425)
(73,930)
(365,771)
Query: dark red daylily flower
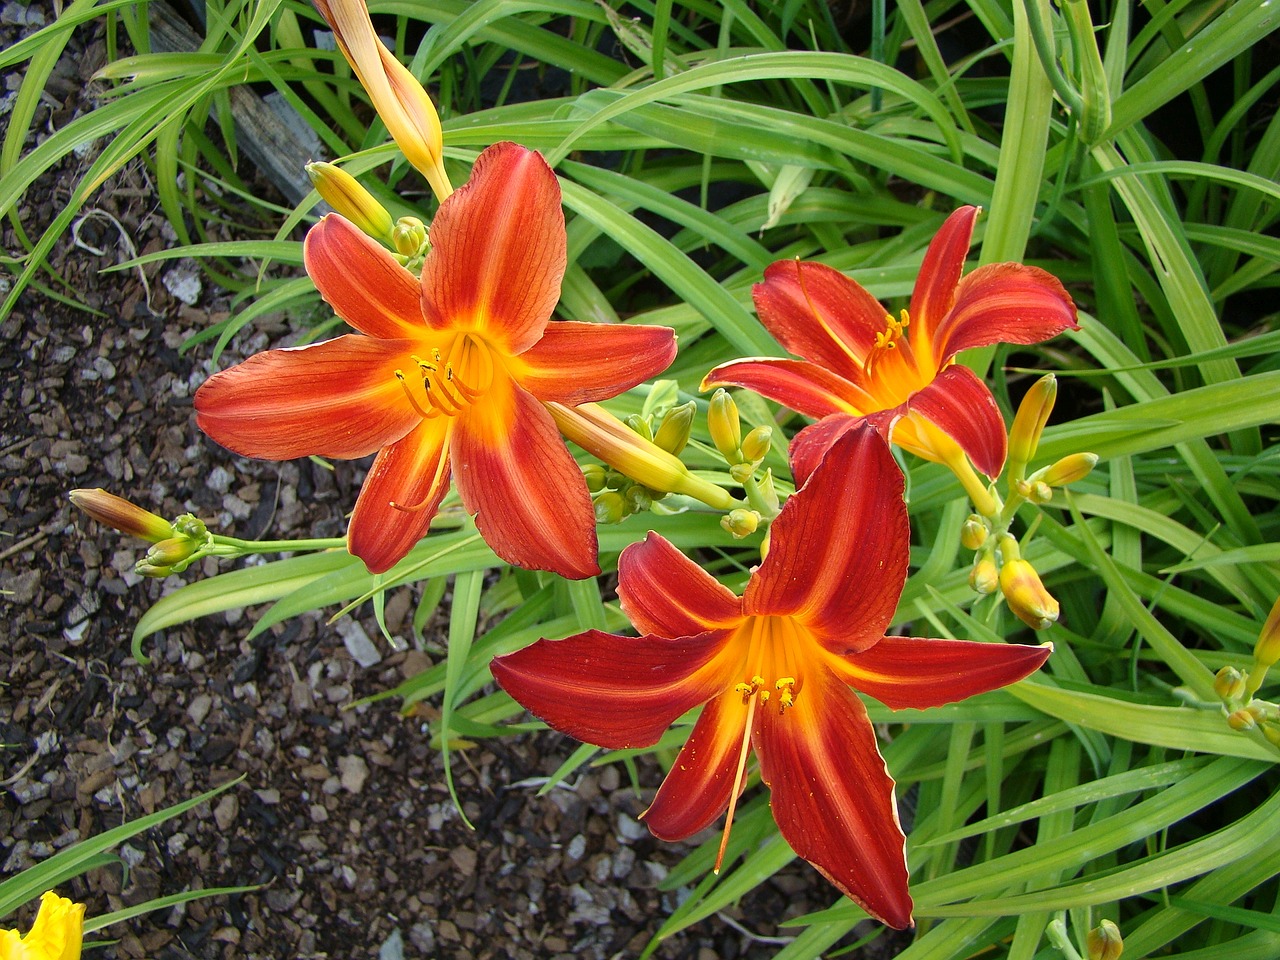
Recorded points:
(859,361)
(774,668)
(450,377)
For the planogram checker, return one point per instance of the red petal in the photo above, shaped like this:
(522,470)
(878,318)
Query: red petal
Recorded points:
(811,444)
(833,798)
(935,288)
(412,473)
(615,692)
(365,285)
(339,398)
(961,406)
(697,788)
(911,672)
(577,363)
(1006,303)
(515,473)
(838,551)
(804,387)
(498,251)
(818,313)
(665,593)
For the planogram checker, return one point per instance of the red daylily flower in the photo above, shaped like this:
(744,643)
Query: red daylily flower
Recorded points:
(859,361)
(774,668)
(450,377)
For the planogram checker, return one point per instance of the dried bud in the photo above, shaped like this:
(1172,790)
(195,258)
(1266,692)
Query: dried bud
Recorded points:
(1104,942)
(344,193)
(1069,469)
(675,427)
(1027,598)
(725,427)
(741,523)
(973,534)
(1028,424)
(119,514)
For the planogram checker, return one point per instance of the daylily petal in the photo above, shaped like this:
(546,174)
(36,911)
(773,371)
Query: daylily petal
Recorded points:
(365,284)
(1005,303)
(664,592)
(577,362)
(498,251)
(913,672)
(818,313)
(515,473)
(802,386)
(838,551)
(811,444)
(833,798)
(339,398)
(615,692)
(400,496)
(698,787)
(961,406)
(935,288)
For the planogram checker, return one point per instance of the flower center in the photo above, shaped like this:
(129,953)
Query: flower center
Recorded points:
(448,383)
(888,339)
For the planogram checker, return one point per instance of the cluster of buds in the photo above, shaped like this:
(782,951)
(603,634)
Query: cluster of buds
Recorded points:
(407,236)
(998,563)
(1236,688)
(744,455)
(615,494)
(174,545)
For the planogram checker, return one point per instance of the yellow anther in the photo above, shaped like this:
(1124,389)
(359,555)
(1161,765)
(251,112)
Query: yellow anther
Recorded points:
(785,682)
(764,696)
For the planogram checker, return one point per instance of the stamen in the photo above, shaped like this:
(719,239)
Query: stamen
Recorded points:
(737,778)
(425,414)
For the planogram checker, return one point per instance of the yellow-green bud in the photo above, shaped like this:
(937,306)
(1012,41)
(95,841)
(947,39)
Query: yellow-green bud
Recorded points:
(1267,649)
(768,493)
(409,236)
(1272,732)
(677,424)
(1069,469)
(1104,942)
(973,534)
(1028,424)
(610,507)
(755,445)
(344,193)
(1027,598)
(742,472)
(595,476)
(1241,720)
(741,523)
(638,499)
(191,527)
(120,514)
(640,425)
(1229,684)
(725,427)
(984,577)
(1036,491)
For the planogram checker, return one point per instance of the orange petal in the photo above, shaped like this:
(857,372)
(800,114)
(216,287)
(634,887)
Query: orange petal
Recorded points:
(961,406)
(339,398)
(805,387)
(833,798)
(515,473)
(577,363)
(400,496)
(498,251)
(665,593)
(615,692)
(838,551)
(912,672)
(1006,303)
(364,284)
(935,288)
(699,785)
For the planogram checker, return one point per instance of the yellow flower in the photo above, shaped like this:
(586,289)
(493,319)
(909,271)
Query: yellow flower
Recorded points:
(57,933)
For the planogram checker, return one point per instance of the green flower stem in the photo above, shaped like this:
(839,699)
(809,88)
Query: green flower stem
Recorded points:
(234,547)
(984,500)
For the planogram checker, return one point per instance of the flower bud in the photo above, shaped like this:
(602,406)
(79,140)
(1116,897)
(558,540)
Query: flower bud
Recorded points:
(973,534)
(638,499)
(640,425)
(344,193)
(755,445)
(1028,424)
(1267,649)
(768,494)
(1027,598)
(190,526)
(409,236)
(984,577)
(595,475)
(742,472)
(119,514)
(725,426)
(1272,732)
(1229,684)
(1037,491)
(610,507)
(1104,942)
(675,427)
(1241,720)
(1069,469)
(741,523)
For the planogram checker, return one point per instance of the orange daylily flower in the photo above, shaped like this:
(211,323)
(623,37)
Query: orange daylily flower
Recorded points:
(774,668)
(899,372)
(451,376)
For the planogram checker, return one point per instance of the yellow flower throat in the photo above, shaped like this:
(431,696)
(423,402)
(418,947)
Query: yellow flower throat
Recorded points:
(450,382)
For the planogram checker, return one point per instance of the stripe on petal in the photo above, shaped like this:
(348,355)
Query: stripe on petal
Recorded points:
(961,406)
(498,251)
(818,313)
(696,790)
(664,592)
(339,398)
(804,387)
(838,554)
(1006,303)
(517,476)
(912,672)
(615,692)
(577,362)
(833,798)
(412,473)
(935,288)
(365,285)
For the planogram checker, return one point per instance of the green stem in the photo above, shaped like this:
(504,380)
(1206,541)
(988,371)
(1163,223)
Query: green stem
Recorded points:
(237,547)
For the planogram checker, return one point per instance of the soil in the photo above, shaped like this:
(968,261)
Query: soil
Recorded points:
(342,816)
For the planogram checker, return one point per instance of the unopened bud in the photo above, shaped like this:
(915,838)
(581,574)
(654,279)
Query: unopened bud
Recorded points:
(1229,684)
(1272,732)
(594,475)
(1069,469)
(409,236)
(638,499)
(741,523)
(984,577)
(640,425)
(1241,720)
(742,472)
(725,427)
(191,526)
(1027,598)
(344,193)
(973,534)
(1037,491)
(673,432)
(1104,942)
(768,493)
(120,514)
(1267,649)
(755,445)
(1028,424)
(610,507)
